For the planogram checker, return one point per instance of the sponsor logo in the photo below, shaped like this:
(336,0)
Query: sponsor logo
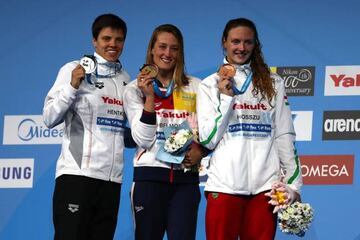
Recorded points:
(30,129)
(172,114)
(113,101)
(341,125)
(327,169)
(299,81)
(138,208)
(303,125)
(246,106)
(342,80)
(16,173)
(73,207)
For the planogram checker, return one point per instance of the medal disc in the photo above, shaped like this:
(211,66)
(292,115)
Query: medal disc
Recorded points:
(150,69)
(88,63)
(227,70)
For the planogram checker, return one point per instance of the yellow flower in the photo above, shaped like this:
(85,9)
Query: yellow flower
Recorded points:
(280,197)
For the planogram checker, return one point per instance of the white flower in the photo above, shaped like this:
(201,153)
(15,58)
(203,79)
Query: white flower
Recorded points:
(176,140)
(296,218)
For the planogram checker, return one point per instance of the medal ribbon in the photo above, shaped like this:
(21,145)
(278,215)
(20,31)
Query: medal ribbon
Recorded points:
(244,86)
(159,93)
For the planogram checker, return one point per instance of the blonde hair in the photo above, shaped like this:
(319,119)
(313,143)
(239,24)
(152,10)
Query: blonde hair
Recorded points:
(179,75)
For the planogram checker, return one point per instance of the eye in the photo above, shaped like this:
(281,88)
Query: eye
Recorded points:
(235,41)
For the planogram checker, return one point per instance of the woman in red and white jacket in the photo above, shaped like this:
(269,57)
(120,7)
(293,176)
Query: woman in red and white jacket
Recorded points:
(164,196)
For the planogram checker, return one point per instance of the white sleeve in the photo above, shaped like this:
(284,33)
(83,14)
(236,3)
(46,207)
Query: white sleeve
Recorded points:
(59,98)
(213,111)
(285,140)
(143,134)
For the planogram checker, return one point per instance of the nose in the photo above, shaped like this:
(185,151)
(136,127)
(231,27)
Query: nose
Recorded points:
(167,51)
(112,43)
(242,46)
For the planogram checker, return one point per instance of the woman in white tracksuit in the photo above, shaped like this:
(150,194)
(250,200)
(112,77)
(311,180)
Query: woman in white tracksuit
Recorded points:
(247,122)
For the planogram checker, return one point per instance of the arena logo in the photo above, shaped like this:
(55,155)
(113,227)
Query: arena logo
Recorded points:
(30,129)
(299,81)
(16,173)
(303,121)
(342,80)
(327,169)
(341,125)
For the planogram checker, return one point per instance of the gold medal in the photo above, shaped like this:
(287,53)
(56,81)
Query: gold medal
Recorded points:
(149,69)
(227,70)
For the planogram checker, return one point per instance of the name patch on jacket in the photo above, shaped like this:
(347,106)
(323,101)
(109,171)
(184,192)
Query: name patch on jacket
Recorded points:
(172,111)
(110,114)
(250,120)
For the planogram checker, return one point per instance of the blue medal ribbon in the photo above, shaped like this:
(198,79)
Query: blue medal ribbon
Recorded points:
(159,93)
(244,86)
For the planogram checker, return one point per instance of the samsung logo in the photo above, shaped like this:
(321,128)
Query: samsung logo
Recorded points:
(30,129)
(16,173)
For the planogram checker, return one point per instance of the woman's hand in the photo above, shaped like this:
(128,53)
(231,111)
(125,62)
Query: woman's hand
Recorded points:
(225,85)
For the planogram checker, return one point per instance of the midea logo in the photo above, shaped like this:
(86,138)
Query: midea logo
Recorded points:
(28,129)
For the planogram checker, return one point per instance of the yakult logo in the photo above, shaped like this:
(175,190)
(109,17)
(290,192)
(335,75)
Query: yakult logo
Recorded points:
(30,129)
(114,101)
(342,80)
(246,106)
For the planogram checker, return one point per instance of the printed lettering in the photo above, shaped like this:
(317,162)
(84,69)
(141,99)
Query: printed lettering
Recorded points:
(113,101)
(345,81)
(342,125)
(246,106)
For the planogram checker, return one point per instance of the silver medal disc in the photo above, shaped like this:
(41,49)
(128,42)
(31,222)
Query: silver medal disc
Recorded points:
(88,63)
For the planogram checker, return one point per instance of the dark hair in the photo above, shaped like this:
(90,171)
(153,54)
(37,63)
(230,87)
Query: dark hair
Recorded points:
(262,81)
(108,20)
(179,75)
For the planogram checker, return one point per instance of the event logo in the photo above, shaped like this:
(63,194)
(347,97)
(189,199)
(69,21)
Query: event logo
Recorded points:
(303,125)
(327,169)
(299,81)
(341,125)
(16,173)
(342,80)
(30,129)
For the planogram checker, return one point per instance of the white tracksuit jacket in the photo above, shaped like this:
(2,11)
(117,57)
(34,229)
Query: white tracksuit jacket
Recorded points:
(252,141)
(94,122)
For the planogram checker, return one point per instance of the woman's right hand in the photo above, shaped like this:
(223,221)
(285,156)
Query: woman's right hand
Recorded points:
(225,85)
(144,82)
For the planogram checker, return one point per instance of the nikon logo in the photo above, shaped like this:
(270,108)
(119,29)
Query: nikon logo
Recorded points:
(341,125)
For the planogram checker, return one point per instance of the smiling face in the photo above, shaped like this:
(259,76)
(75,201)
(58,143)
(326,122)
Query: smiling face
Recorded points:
(109,44)
(239,45)
(165,51)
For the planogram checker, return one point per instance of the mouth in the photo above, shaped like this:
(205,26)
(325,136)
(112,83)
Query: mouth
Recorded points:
(166,60)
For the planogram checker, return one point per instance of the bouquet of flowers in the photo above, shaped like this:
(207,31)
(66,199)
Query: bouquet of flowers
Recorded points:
(178,141)
(296,218)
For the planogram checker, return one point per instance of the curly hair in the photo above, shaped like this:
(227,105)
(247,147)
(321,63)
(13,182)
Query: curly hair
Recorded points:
(262,82)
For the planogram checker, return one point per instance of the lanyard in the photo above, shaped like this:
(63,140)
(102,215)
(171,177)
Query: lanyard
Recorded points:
(159,93)
(244,86)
